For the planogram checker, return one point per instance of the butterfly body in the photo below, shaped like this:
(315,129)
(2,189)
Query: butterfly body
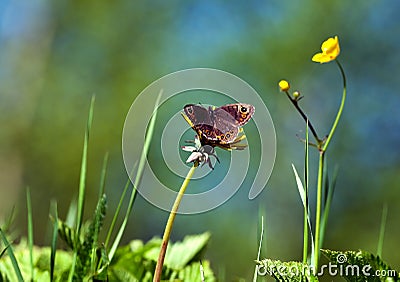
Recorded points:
(219,126)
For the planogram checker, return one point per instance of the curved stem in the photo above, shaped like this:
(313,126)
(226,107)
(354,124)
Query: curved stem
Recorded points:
(335,123)
(170,223)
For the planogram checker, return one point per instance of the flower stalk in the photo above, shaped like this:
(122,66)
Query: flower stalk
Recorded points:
(170,223)
(323,149)
(339,114)
(318,208)
(330,49)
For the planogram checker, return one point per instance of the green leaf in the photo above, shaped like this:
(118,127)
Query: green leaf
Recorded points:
(129,264)
(14,262)
(286,271)
(41,261)
(360,266)
(181,253)
(133,262)
(137,261)
(62,263)
(120,273)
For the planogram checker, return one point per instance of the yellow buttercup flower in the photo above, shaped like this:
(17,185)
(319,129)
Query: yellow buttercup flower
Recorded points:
(284,85)
(330,50)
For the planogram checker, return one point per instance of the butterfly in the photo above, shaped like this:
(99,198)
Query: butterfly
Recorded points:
(219,126)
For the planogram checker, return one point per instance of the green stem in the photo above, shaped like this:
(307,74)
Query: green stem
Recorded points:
(321,170)
(335,123)
(305,236)
(318,208)
(170,223)
(306,206)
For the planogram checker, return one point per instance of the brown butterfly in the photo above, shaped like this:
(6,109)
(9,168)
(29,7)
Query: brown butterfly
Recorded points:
(219,126)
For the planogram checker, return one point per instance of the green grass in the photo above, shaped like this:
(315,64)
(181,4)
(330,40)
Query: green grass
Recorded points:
(90,256)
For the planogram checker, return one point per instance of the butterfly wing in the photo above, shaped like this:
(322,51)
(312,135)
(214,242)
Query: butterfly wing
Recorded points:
(237,114)
(228,119)
(220,125)
(202,123)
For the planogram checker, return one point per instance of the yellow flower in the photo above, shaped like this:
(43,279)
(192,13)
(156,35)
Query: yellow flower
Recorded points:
(330,50)
(284,85)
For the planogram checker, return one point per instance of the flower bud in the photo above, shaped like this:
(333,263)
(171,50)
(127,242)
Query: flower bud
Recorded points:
(284,85)
(296,95)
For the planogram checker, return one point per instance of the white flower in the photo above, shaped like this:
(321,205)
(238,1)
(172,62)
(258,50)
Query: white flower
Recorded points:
(200,154)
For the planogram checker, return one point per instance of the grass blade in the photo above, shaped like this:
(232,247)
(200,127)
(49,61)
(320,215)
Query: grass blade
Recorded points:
(72,271)
(300,187)
(3,251)
(82,179)
(82,187)
(116,214)
(70,219)
(139,173)
(30,231)
(259,249)
(304,200)
(53,239)
(10,220)
(382,230)
(103,176)
(12,256)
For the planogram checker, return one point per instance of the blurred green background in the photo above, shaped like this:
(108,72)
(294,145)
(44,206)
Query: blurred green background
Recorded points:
(54,55)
